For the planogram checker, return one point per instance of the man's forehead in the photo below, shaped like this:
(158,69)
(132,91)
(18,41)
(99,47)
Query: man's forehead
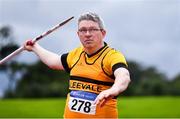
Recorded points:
(88,23)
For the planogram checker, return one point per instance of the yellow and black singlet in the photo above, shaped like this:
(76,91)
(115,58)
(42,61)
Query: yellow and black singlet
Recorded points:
(89,75)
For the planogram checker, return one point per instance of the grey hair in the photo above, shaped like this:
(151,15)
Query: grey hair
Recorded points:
(92,17)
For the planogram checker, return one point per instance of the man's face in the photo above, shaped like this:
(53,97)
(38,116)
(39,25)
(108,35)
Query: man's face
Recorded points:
(90,34)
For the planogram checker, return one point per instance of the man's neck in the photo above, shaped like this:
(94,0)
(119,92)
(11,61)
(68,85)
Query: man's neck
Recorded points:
(93,50)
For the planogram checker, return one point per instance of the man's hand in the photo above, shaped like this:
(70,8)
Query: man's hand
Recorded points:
(105,95)
(29,45)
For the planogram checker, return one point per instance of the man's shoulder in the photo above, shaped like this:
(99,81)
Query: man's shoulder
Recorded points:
(77,50)
(114,56)
(113,52)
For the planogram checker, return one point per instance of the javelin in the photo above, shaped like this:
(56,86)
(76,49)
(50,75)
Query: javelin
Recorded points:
(20,49)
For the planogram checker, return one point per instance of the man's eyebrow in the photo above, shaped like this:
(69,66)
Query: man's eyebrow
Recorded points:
(88,27)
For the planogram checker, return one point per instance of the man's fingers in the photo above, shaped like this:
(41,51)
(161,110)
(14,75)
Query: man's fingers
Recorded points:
(102,99)
(103,102)
(96,101)
(28,45)
(99,98)
(29,42)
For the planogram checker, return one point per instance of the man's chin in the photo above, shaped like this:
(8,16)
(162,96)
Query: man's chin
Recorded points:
(88,45)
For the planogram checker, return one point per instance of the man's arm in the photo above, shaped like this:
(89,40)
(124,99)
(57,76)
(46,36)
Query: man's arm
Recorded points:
(122,80)
(51,59)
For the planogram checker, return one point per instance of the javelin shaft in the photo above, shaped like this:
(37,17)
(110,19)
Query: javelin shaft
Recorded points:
(20,49)
(16,52)
(51,30)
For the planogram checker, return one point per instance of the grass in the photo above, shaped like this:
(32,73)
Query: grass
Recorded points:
(146,107)
(32,108)
(153,107)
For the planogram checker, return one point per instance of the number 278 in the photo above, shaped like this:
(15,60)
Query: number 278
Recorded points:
(82,104)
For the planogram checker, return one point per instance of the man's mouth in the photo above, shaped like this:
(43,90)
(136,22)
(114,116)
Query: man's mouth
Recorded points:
(88,40)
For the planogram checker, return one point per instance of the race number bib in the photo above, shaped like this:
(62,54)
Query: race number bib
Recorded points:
(82,102)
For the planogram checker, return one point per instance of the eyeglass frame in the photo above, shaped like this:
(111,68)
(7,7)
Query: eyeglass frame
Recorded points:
(90,30)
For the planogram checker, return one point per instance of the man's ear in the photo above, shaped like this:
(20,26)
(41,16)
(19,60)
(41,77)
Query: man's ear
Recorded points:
(77,33)
(103,32)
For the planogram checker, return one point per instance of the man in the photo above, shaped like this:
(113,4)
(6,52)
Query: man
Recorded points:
(98,73)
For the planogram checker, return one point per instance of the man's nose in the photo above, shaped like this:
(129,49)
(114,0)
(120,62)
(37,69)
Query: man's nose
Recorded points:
(88,33)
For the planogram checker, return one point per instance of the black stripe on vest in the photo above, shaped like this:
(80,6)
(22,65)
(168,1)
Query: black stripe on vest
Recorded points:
(89,80)
(64,62)
(119,65)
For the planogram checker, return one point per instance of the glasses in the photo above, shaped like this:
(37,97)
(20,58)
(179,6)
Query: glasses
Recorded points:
(90,30)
